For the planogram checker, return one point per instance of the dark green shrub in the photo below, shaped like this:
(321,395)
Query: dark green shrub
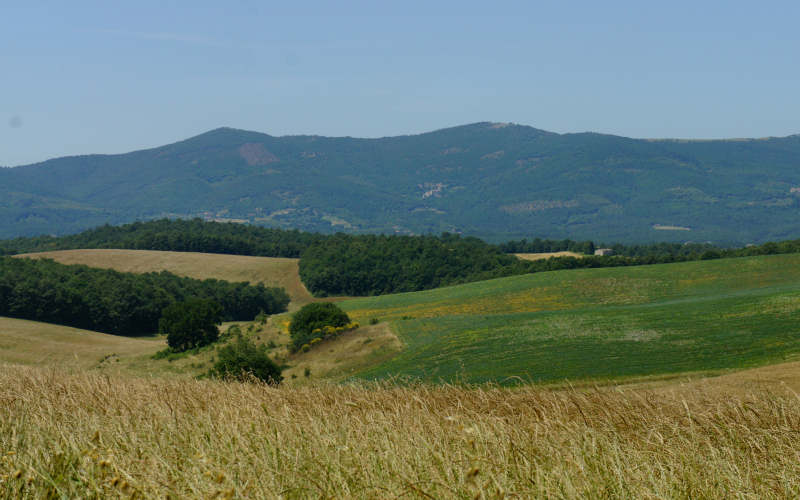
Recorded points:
(233,330)
(190,324)
(315,316)
(242,359)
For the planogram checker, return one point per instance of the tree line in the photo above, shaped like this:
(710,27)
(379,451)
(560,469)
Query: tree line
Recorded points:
(377,264)
(350,264)
(538,245)
(374,265)
(120,303)
(178,235)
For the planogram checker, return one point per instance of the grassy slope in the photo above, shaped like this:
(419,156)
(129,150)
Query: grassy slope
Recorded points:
(339,358)
(30,342)
(57,346)
(688,439)
(334,359)
(597,323)
(272,271)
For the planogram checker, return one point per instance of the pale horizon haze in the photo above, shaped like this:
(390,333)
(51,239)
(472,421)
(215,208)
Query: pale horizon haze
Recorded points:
(97,77)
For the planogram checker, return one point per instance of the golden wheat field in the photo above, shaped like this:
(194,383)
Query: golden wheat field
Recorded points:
(548,255)
(88,435)
(272,271)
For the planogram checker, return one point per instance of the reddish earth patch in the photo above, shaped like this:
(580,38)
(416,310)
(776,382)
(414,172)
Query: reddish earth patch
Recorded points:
(256,154)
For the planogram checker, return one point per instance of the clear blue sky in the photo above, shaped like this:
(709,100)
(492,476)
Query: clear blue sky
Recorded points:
(96,77)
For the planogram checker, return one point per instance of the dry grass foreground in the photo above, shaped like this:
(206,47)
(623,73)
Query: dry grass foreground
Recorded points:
(272,271)
(87,435)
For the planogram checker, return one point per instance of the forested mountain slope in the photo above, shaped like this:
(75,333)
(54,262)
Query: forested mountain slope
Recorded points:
(497,181)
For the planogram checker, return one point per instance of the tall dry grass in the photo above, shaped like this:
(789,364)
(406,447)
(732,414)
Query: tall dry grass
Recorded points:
(91,436)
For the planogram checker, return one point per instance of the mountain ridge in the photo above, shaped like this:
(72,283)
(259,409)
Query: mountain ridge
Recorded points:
(494,180)
(227,129)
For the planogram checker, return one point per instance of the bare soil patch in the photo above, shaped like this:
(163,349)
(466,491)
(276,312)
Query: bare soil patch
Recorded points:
(547,255)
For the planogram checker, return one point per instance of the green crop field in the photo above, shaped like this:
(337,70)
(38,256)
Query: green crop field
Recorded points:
(596,323)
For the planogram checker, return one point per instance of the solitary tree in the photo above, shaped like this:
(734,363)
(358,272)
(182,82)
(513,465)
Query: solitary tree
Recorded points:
(190,324)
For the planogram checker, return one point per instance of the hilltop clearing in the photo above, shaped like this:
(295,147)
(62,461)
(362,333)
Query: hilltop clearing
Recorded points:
(337,359)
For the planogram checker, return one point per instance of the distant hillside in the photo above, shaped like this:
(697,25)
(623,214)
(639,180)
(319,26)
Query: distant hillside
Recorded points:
(496,181)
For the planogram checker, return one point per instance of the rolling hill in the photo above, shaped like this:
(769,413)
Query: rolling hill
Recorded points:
(95,415)
(596,324)
(587,324)
(497,181)
(42,344)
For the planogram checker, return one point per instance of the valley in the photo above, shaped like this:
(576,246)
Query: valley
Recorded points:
(579,325)
(399,251)
(674,370)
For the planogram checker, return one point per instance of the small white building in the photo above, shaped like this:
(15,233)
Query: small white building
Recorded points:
(604,251)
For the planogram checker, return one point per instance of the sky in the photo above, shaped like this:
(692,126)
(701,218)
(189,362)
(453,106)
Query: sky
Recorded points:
(83,77)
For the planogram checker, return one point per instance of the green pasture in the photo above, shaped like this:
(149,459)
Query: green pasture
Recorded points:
(596,323)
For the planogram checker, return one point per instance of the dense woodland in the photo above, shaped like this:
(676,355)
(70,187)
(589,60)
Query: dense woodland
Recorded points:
(348,264)
(120,303)
(178,235)
(373,264)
